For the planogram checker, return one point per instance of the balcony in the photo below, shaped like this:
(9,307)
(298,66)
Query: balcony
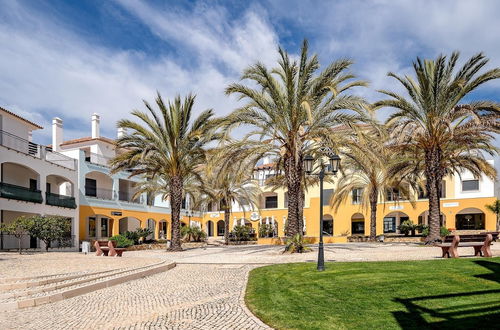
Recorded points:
(97,159)
(60,200)
(26,147)
(20,193)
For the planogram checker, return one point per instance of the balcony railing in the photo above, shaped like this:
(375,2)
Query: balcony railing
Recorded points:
(60,200)
(11,191)
(128,196)
(97,159)
(24,146)
(99,193)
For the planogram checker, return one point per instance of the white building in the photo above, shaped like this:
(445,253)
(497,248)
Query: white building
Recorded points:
(35,180)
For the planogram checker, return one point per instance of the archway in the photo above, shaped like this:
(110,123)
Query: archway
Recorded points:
(128,224)
(221,229)
(210,228)
(327,225)
(357,224)
(423,218)
(163,229)
(470,219)
(393,220)
(21,183)
(98,185)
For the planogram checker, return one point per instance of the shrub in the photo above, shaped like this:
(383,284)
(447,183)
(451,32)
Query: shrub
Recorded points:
(241,233)
(424,230)
(49,228)
(193,234)
(406,227)
(122,241)
(266,230)
(132,235)
(296,244)
(143,233)
(17,228)
(443,231)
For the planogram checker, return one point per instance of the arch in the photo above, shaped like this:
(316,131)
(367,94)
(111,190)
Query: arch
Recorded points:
(392,221)
(99,185)
(357,224)
(163,229)
(99,226)
(210,228)
(423,218)
(57,184)
(221,228)
(128,224)
(151,225)
(470,218)
(20,175)
(327,225)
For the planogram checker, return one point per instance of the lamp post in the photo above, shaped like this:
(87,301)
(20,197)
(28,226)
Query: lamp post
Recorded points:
(334,162)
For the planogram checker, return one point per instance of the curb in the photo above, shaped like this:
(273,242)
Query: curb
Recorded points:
(244,305)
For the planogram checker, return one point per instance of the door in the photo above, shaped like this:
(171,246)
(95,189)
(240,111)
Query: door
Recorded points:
(390,225)
(210,228)
(104,227)
(90,187)
(33,185)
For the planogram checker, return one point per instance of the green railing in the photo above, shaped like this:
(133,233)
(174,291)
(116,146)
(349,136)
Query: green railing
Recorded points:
(20,193)
(60,200)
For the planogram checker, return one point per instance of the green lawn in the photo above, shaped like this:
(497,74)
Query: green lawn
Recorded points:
(445,293)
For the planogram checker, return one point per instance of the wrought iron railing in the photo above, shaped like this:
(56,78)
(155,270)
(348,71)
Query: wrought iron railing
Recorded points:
(60,200)
(11,191)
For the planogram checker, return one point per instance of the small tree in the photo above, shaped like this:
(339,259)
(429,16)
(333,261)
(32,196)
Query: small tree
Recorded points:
(17,228)
(495,208)
(49,228)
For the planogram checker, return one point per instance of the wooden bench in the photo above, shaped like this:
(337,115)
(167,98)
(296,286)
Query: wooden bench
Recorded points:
(480,242)
(107,248)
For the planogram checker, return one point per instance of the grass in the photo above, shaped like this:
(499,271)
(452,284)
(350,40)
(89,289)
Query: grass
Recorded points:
(447,293)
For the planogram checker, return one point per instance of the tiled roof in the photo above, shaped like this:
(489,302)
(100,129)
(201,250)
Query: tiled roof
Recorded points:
(265,166)
(87,139)
(19,117)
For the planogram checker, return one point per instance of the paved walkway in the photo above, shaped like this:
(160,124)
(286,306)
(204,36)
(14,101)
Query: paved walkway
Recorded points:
(205,290)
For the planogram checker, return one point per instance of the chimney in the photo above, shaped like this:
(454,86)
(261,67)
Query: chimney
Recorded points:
(95,126)
(57,133)
(120,132)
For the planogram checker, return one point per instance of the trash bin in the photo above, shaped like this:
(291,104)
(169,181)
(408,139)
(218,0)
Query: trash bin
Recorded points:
(85,247)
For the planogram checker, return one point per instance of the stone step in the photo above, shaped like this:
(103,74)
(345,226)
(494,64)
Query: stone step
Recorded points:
(83,286)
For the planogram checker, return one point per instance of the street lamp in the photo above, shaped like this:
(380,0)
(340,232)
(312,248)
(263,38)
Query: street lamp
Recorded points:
(333,167)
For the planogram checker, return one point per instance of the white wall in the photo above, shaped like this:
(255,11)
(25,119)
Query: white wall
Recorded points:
(486,186)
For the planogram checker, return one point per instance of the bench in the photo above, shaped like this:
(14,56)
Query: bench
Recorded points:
(107,248)
(480,242)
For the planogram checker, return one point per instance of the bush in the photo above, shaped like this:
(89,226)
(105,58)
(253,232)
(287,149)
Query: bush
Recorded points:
(296,244)
(424,230)
(266,230)
(143,233)
(241,233)
(122,241)
(132,235)
(443,231)
(193,234)
(49,228)
(407,227)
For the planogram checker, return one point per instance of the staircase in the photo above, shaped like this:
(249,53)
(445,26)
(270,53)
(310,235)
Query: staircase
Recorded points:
(16,293)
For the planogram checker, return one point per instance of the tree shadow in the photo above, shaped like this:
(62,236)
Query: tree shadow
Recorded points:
(472,315)
(493,266)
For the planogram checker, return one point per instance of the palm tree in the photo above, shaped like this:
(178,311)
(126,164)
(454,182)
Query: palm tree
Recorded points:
(368,163)
(168,145)
(439,133)
(495,208)
(228,184)
(291,106)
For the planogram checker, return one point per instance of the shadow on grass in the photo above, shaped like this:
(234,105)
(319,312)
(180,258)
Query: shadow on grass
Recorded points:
(493,266)
(473,315)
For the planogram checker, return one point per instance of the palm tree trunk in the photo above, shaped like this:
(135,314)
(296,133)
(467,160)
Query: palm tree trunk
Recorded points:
(293,173)
(176,201)
(226,226)
(433,176)
(373,214)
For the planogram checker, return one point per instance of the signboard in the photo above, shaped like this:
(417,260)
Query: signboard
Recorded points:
(118,213)
(396,207)
(452,204)
(214,215)
(254,216)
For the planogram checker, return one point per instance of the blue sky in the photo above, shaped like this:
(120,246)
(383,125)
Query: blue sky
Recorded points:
(73,58)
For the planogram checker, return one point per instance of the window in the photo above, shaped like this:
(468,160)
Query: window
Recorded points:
(469,221)
(358,227)
(33,185)
(90,187)
(271,202)
(393,195)
(183,205)
(104,227)
(327,195)
(470,185)
(390,225)
(422,194)
(356,195)
(48,187)
(328,227)
(92,229)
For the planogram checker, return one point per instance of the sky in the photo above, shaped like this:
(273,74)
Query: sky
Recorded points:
(72,58)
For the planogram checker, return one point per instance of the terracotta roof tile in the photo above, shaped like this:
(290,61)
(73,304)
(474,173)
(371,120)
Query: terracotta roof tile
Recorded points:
(87,139)
(265,166)
(23,119)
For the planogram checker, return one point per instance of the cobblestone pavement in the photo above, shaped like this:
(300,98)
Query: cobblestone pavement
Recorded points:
(186,297)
